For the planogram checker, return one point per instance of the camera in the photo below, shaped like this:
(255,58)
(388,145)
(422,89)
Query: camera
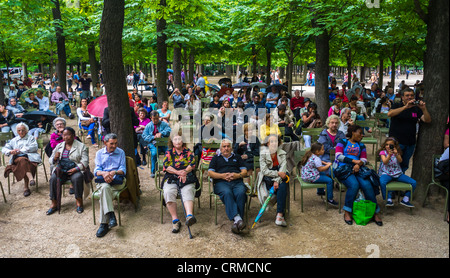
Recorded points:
(417,102)
(391,147)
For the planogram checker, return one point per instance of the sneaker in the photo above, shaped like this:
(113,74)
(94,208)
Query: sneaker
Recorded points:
(389,203)
(407,204)
(190,220)
(152,176)
(333,202)
(279,221)
(176,227)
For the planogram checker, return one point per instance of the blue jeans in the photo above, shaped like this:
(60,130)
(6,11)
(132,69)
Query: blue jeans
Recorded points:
(233,195)
(66,110)
(281,197)
(326,179)
(385,179)
(154,155)
(270,105)
(90,130)
(353,184)
(408,151)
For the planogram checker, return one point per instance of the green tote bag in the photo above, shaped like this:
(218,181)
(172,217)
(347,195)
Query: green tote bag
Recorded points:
(363,211)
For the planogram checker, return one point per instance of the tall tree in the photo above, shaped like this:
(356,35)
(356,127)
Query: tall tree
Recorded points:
(436,71)
(61,45)
(161,52)
(111,28)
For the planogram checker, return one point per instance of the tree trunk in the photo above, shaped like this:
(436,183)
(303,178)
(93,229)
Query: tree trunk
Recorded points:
(381,74)
(268,67)
(349,68)
(191,64)
(61,46)
(321,73)
(177,67)
(111,28)
(93,62)
(161,56)
(431,136)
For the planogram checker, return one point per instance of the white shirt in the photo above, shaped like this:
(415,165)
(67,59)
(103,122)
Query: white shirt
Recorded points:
(44,103)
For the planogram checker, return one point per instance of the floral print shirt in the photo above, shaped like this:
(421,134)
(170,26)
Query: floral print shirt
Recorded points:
(310,173)
(392,169)
(182,160)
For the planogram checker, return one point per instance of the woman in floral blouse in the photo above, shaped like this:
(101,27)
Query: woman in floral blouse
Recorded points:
(179,165)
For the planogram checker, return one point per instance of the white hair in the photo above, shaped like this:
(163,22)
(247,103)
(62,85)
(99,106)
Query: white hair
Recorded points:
(24,125)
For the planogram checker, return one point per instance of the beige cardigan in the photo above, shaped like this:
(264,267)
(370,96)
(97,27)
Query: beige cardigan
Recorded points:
(265,162)
(78,153)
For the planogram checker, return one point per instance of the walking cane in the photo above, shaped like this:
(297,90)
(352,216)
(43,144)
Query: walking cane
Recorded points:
(184,210)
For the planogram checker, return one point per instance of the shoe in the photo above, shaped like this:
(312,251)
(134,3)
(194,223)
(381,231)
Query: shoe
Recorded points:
(152,176)
(379,223)
(190,220)
(176,227)
(103,230)
(241,225)
(32,182)
(112,220)
(407,204)
(235,229)
(348,222)
(80,210)
(389,203)
(71,116)
(88,137)
(71,191)
(27,193)
(144,163)
(333,202)
(279,221)
(51,211)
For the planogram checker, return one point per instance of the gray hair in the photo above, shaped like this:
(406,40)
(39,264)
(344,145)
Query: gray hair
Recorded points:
(226,141)
(343,111)
(59,119)
(109,136)
(24,125)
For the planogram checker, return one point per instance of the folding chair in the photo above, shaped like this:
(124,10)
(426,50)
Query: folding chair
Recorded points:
(306,185)
(116,196)
(438,184)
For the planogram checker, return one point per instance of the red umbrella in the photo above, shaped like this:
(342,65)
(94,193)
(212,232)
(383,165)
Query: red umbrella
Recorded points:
(98,105)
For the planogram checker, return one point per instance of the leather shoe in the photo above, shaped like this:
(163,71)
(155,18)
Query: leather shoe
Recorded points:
(103,230)
(379,223)
(348,222)
(112,220)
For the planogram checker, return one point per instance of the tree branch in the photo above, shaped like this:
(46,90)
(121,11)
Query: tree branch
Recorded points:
(418,9)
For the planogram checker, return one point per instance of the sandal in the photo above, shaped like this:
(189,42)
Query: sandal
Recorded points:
(51,211)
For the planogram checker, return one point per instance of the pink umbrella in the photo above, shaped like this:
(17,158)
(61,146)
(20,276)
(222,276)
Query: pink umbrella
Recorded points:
(98,105)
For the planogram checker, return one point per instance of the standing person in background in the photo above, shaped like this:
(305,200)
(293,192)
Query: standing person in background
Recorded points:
(405,116)
(85,86)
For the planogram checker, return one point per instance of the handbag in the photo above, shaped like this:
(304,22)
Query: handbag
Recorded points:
(66,165)
(118,179)
(363,211)
(343,171)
